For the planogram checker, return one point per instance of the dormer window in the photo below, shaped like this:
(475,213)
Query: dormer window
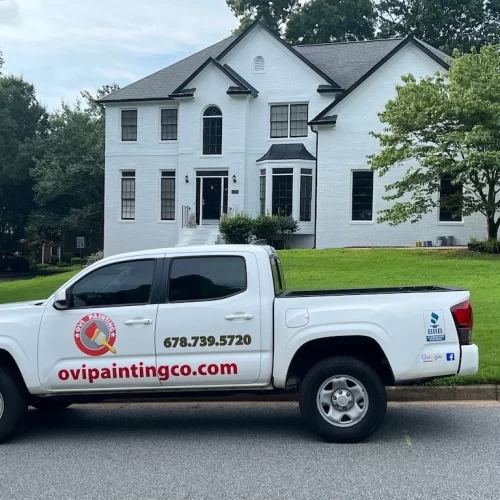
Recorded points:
(258,65)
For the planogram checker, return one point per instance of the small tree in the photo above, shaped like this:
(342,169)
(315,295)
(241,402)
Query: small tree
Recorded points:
(287,226)
(451,127)
(266,227)
(236,229)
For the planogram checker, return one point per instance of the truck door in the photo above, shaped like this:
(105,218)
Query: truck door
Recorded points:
(209,330)
(105,339)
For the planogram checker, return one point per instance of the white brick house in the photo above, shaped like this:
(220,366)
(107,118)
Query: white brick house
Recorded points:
(255,125)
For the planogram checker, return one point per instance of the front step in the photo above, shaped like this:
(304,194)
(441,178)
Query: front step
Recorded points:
(198,236)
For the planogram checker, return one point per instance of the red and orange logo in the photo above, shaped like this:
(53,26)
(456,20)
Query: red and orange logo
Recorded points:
(95,335)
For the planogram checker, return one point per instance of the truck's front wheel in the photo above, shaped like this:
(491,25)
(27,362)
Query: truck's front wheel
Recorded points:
(343,399)
(13,405)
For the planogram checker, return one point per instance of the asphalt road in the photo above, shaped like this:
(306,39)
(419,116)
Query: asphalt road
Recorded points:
(251,450)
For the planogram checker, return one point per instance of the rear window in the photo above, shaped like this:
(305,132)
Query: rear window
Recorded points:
(278,279)
(206,278)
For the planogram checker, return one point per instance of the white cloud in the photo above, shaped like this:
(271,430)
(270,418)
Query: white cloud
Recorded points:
(63,46)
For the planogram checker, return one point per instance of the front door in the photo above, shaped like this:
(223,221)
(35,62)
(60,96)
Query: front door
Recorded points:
(209,331)
(211,198)
(106,338)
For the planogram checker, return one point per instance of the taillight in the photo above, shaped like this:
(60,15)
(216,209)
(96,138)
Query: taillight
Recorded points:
(462,314)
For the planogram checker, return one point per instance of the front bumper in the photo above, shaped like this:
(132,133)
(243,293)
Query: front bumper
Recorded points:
(469,364)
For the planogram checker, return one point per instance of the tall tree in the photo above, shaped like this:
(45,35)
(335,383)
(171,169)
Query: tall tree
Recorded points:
(69,171)
(323,21)
(1,60)
(22,120)
(446,127)
(273,14)
(445,24)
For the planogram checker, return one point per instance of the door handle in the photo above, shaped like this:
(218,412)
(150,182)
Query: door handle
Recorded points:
(236,316)
(138,321)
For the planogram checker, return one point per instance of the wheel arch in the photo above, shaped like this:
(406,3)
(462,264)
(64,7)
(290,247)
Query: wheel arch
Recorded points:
(365,348)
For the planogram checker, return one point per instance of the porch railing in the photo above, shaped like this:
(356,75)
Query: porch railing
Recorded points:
(185,215)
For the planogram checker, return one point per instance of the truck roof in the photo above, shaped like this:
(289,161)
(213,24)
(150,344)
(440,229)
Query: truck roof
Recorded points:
(198,249)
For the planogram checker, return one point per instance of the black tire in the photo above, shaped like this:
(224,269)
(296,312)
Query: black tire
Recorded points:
(13,406)
(50,405)
(350,367)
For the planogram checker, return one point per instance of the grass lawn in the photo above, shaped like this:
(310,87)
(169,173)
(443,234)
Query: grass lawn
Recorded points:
(306,269)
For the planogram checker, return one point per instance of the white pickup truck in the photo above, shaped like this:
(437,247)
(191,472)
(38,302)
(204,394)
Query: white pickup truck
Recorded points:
(203,320)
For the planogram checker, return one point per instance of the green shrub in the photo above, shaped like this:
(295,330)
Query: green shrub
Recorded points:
(42,266)
(95,257)
(67,256)
(54,260)
(76,261)
(265,227)
(237,228)
(62,264)
(287,225)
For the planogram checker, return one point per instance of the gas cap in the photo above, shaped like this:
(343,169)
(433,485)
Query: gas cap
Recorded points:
(295,318)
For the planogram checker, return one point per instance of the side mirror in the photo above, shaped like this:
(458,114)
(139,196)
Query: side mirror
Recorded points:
(61,301)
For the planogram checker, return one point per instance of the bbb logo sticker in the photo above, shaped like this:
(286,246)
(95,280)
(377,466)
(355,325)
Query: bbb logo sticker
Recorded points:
(434,326)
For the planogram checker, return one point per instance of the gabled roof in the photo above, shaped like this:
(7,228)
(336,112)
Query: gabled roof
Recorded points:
(435,54)
(161,84)
(241,84)
(343,65)
(287,152)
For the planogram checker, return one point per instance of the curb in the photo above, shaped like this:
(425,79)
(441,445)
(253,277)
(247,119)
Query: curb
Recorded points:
(487,392)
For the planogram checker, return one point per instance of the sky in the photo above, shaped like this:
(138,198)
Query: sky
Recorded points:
(64,46)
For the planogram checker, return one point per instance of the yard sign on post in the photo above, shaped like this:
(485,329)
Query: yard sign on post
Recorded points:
(80,243)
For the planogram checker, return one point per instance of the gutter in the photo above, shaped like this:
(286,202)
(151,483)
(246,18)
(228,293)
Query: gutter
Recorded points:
(315,191)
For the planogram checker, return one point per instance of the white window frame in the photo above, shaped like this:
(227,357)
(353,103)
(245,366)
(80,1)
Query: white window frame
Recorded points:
(167,141)
(288,136)
(296,165)
(176,184)
(351,198)
(460,222)
(120,130)
(128,170)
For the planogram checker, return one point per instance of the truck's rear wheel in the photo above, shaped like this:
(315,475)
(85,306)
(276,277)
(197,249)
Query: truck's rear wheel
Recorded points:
(13,405)
(343,399)
(50,405)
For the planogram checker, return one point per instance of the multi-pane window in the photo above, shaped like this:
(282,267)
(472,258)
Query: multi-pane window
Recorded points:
(206,278)
(450,209)
(282,200)
(305,194)
(263,192)
(167,196)
(298,120)
(128,195)
(129,124)
(169,124)
(289,120)
(212,131)
(362,195)
(279,121)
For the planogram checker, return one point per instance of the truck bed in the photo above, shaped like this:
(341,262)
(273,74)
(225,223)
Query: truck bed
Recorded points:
(370,291)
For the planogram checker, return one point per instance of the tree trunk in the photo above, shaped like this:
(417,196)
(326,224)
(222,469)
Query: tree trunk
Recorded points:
(492,226)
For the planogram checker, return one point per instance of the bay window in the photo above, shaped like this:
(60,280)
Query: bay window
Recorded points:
(282,193)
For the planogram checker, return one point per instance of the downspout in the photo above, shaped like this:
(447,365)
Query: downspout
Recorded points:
(315,190)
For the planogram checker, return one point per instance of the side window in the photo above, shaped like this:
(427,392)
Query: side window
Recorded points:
(206,278)
(124,283)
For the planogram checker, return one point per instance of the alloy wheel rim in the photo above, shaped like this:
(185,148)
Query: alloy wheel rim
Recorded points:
(342,401)
(2,405)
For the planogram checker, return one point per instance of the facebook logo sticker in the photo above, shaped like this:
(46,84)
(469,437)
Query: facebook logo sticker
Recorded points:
(450,356)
